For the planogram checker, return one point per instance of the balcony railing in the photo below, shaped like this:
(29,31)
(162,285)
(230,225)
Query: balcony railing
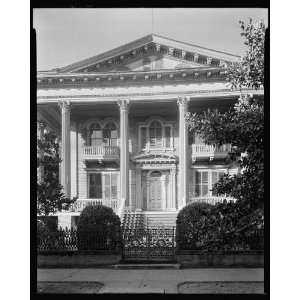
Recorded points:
(80,204)
(101,152)
(210,151)
(210,199)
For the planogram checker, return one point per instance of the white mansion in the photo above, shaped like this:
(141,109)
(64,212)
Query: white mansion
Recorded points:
(120,117)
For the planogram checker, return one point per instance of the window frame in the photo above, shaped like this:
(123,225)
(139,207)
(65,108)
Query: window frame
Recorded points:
(144,141)
(210,181)
(103,175)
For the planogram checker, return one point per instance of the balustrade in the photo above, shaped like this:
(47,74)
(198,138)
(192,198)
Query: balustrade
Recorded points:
(103,151)
(203,150)
(80,204)
(210,199)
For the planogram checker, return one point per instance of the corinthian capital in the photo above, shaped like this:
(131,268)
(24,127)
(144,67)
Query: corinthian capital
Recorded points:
(183,101)
(65,105)
(123,104)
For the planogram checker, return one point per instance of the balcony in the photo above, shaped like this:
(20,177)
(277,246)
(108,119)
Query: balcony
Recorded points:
(101,153)
(202,151)
(80,204)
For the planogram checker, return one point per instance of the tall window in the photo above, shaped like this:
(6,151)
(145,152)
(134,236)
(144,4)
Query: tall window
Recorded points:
(168,136)
(143,137)
(201,184)
(94,135)
(103,185)
(110,134)
(155,134)
(111,185)
(95,186)
(204,182)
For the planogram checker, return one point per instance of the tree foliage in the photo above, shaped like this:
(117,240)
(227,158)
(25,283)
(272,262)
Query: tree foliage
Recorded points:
(249,72)
(50,197)
(243,125)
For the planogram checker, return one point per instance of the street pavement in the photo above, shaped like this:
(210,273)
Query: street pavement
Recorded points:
(149,281)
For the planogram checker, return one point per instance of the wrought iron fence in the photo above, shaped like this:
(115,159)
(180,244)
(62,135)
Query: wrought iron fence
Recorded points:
(152,244)
(73,240)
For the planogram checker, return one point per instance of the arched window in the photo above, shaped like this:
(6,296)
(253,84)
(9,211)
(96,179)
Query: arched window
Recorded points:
(94,135)
(155,134)
(110,134)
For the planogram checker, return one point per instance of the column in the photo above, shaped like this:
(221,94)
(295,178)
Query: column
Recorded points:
(139,196)
(173,188)
(40,136)
(124,156)
(183,149)
(65,147)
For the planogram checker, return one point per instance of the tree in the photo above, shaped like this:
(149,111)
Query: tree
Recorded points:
(50,197)
(243,125)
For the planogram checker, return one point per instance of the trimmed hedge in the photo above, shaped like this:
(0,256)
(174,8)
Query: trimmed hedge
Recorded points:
(99,228)
(225,226)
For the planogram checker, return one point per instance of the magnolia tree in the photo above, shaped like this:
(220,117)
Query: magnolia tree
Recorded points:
(50,197)
(243,125)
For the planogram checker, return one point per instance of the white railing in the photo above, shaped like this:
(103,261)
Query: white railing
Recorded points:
(199,150)
(211,199)
(101,151)
(80,204)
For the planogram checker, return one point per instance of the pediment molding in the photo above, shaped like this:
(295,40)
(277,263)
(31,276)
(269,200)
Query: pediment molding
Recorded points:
(152,44)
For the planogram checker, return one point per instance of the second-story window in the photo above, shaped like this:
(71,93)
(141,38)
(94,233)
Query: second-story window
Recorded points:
(102,136)
(94,135)
(110,134)
(155,134)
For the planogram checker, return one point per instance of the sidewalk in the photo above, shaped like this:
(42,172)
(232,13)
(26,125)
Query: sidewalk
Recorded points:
(145,281)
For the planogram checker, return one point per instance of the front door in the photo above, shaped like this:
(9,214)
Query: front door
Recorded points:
(155,198)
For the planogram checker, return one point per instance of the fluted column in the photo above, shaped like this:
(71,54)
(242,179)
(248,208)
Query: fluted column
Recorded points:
(183,149)
(124,155)
(65,147)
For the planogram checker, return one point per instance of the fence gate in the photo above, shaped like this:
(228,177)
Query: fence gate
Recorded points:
(149,244)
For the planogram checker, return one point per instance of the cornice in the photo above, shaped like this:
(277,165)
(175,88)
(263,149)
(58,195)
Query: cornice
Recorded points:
(147,95)
(47,80)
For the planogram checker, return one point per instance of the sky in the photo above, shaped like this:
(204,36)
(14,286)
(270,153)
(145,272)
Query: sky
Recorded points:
(65,36)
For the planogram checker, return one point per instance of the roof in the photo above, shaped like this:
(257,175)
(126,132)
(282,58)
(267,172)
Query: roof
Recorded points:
(163,45)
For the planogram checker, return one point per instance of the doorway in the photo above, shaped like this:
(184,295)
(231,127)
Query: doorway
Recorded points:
(155,191)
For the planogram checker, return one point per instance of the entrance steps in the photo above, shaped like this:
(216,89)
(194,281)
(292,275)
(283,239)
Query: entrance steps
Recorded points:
(164,218)
(143,219)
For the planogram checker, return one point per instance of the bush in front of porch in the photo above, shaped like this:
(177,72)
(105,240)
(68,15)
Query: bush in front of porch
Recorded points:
(99,228)
(226,226)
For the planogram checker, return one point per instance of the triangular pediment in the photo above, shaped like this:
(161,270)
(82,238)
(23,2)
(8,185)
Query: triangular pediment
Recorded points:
(151,52)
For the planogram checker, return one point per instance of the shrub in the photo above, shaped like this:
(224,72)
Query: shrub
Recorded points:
(42,232)
(50,222)
(98,228)
(224,226)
